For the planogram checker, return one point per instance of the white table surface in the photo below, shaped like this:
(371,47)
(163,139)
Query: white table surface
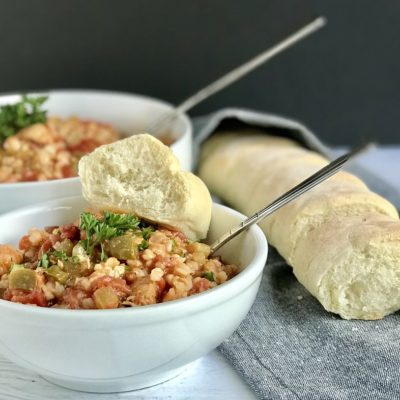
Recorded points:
(211,377)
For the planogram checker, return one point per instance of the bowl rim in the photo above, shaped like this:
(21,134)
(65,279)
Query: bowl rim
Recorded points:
(221,292)
(77,91)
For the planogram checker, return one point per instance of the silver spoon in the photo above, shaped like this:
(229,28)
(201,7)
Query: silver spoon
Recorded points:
(303,187)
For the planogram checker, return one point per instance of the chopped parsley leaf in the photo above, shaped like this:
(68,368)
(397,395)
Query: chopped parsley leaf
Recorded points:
(61,255)
(96,232)
(121,222)
(74,259)
(43,261)
(209,275)
(143,245)
(146,232)
(105,228)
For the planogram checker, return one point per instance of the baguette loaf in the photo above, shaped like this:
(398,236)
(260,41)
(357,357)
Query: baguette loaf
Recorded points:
(140,175)
(352,265)
(342,240)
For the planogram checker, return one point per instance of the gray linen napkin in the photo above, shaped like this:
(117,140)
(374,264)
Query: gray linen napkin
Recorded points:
(288,347)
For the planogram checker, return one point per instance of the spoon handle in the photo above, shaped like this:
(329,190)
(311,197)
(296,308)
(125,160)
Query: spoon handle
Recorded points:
(157,125)
(304,186)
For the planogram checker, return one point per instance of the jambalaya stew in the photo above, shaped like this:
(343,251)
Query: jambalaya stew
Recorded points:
(35,147)
(106,261)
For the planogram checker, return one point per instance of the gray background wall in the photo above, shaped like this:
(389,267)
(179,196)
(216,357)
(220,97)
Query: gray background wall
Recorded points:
(343,82)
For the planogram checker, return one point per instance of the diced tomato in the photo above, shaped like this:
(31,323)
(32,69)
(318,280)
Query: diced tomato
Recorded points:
(29,176)
(130,277)
(67,171)
(25,243)
(200,285)
(46,246)
(161,284)
(35,297)
(54,239)
(180,235)
(167,262)
(73,298)
(107,281)
(70,231)
(85,146)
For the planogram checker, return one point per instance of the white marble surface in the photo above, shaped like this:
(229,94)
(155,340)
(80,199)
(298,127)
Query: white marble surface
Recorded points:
(208,378)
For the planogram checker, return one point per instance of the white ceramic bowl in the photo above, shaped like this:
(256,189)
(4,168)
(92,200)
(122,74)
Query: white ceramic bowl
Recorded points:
(131,348)
(127,112)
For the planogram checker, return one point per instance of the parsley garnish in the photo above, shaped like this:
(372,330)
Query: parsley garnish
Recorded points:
(105,228)
(61,255)
(146,232)
(43,261)
(143,245)
(122,222)
(14,117)
(209,275)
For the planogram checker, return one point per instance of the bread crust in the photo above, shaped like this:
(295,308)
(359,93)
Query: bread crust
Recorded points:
(311,231)
(351,265)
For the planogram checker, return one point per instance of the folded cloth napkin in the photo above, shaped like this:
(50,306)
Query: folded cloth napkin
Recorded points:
(289,347)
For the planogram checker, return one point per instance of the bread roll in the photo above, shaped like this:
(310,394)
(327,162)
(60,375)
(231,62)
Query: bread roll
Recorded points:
(249,172)
(140,175)
(221,156)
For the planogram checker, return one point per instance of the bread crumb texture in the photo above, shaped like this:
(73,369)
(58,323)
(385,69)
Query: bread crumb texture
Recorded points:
(141,175)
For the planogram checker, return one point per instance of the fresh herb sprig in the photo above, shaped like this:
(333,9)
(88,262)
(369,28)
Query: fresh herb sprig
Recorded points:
(14,117)
(43,261)
(105,228)
(62,255)
(121,222)
(47,258)
(146,233)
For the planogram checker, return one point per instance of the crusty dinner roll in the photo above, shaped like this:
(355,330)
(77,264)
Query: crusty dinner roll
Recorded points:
(140,175)
(339,216)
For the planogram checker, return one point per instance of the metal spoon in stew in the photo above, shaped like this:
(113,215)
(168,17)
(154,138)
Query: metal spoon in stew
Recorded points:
(303,187)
